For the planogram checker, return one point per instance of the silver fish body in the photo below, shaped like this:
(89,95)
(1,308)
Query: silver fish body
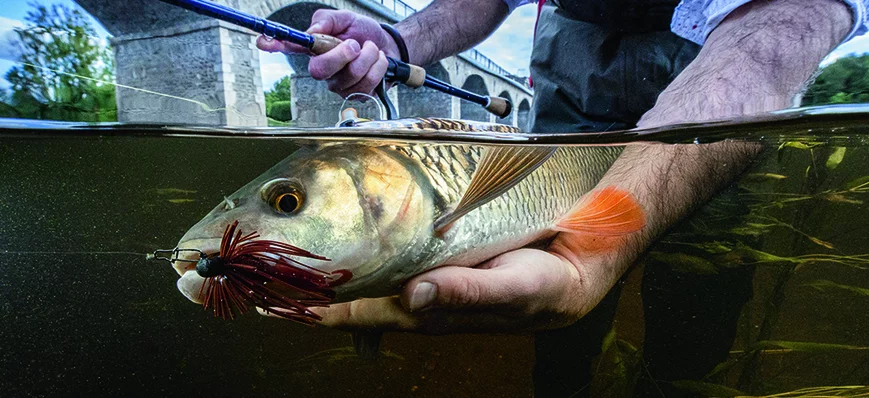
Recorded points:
(371,210)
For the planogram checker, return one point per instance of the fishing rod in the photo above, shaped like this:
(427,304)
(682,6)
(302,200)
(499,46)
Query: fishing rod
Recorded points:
(397,71)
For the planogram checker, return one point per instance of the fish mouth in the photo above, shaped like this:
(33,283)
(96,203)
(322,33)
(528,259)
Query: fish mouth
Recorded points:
(190,283)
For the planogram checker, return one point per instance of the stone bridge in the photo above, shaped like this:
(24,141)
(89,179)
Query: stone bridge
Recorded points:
(175,66)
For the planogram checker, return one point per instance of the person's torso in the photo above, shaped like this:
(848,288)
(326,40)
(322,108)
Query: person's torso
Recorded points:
(603,69)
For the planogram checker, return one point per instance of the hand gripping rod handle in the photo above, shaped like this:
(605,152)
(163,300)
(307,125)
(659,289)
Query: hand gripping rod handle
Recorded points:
(397,71)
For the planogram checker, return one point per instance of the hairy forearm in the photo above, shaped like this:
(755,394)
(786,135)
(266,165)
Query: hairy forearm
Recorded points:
(755,61)
(447,27)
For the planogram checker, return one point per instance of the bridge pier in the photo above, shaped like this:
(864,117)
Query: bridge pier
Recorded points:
(313,104)
(201,72)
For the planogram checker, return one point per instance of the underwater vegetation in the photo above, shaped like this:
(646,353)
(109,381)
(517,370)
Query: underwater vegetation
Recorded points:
(796,224)
(84,313)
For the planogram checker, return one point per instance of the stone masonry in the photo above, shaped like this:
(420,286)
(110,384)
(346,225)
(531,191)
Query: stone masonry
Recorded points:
(177,67)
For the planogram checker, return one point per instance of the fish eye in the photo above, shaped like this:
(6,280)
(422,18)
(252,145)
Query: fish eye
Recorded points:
(283,195)
(289,202)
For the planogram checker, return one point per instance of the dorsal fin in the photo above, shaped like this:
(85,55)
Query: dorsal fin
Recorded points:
(500,168)
(609,211)
(437,124)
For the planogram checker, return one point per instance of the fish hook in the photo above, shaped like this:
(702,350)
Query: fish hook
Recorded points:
(171,255)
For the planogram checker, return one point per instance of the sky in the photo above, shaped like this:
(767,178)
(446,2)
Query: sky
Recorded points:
(509,46)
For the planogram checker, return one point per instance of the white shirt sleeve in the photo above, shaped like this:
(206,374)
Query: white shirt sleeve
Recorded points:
(695,19)
(512,4)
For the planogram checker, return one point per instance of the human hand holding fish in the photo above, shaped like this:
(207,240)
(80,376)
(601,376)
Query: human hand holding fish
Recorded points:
(521,290)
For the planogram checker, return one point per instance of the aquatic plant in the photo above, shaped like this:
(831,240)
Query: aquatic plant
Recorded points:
(733,231)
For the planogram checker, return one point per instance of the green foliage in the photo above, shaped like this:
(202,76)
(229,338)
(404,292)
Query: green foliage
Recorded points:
(278,101)
(63,69)
(842,82)
(836,157)
(775,220)
(279,110)
(824,285)
(804,346)
(620,366)
(280,91)
(707,389)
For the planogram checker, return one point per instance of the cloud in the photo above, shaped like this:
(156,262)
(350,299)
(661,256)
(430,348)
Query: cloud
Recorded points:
(10,46)
(510,45)
(856,46)
(273,67)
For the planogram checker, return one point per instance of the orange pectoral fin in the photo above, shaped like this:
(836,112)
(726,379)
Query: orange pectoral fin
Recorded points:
(598,222)
(607,212)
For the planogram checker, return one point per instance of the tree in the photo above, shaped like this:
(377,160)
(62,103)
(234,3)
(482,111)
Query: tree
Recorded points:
(278,100)
(844,81)
(65,73)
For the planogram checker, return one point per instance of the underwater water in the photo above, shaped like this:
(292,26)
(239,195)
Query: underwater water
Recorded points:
(781,256)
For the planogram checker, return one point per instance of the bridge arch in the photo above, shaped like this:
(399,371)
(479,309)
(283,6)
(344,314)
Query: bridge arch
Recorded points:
(469,110)
(423,101)
(522,112)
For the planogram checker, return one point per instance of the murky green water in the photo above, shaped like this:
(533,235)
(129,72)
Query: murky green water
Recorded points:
(83,312)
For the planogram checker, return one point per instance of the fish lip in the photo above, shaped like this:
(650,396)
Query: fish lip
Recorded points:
(190,283)
(206,245)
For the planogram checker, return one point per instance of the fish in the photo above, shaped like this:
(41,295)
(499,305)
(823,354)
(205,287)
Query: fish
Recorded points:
(360,218)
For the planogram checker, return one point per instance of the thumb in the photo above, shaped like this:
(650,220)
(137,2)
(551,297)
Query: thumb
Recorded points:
(519,280)
(272,45)
(331,22)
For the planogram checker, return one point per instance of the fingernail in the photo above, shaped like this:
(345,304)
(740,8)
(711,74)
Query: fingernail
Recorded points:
(315,26)
(354,45)
(422,296)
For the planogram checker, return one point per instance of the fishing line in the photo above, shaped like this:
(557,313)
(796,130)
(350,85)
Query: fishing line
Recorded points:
(381,110)
(99,40)
(148,256)
(201,104)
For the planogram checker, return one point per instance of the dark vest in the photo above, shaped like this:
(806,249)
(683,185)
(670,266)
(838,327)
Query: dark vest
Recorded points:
(622,15)
(600,64)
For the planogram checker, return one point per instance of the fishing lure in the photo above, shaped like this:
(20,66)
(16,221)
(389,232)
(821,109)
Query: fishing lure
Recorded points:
(263,273)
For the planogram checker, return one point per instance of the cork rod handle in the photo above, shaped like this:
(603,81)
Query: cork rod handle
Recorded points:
(324,43)
(500,107)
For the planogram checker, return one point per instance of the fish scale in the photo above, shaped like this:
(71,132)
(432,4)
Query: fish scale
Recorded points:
(521,215)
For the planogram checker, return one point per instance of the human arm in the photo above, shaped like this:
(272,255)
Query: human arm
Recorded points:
(753,62)
(757,60)
(444,28)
